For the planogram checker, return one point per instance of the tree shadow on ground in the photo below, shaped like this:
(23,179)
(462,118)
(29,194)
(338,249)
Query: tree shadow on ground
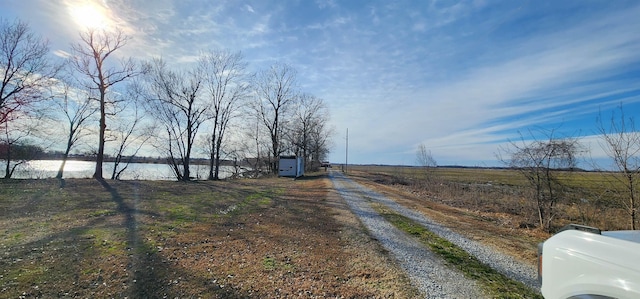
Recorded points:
(155,276)
(92,244)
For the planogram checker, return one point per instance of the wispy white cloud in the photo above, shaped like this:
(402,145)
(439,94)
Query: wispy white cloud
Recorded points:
(462,77)
(333,23)
(326,3)
(62,54)
(543,80)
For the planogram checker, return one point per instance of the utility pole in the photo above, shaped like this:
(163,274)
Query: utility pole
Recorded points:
(346,155)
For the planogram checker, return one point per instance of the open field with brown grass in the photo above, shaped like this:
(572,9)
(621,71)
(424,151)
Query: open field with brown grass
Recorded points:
(265,238)
(493,205)
(589,199)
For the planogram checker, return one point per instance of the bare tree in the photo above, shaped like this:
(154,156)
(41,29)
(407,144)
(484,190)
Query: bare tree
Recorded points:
(176,102)
(15,146)
(130,134)
(425,159)
(274,96)
(254,144)
(621,142)
(92,59)
(307,132)
(25,70)
(77,109)
(321,140)
(236,154)
(225,77)
(541,162)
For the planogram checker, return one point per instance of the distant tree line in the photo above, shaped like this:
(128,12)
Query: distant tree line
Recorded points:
(18,152)
(214,107)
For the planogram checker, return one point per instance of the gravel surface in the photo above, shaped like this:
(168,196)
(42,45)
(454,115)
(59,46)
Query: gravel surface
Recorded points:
(424,269)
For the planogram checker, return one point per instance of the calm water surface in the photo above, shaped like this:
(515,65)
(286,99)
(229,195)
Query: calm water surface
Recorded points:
(38,169)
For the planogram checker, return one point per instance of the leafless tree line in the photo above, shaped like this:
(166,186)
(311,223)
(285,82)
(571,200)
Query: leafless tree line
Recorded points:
(251,119)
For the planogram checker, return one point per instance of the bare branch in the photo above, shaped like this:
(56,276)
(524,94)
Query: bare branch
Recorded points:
(175,100)
(275,93)
(226,88)
(91,60)
(541,162)
(25,69)
(620,140)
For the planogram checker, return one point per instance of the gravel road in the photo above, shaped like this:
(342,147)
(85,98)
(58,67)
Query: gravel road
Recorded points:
(426,270)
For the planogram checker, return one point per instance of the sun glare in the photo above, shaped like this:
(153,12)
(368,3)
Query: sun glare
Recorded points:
(89,16)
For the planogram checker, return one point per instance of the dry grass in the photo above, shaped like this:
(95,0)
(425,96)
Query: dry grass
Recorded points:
(591,198)
(493,282)
(263,238)
(492,205)
(482,205)
(488,228)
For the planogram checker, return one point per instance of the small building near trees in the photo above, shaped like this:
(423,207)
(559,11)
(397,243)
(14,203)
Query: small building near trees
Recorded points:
(291,166)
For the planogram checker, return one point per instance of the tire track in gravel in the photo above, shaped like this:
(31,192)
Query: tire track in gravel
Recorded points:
(425,270)
(501,262)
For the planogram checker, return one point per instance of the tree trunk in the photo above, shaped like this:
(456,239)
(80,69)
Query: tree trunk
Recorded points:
(187,172)
(115,166)
(632,200)
(8,172)
(66,154)
(103,126)
(186,161)
(275,141)
(217,168)
(213,171)
(64,161)
(212,159)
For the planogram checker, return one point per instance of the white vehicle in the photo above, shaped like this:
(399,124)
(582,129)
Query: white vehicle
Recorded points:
(582,262)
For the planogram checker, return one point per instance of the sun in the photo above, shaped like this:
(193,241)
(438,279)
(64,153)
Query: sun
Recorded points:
(88,15)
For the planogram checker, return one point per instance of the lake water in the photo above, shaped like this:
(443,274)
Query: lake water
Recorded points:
(38,169)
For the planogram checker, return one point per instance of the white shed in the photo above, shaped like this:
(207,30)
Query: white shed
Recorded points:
(291,166)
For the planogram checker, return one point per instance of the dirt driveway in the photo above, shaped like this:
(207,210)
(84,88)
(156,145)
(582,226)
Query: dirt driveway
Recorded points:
(425,270)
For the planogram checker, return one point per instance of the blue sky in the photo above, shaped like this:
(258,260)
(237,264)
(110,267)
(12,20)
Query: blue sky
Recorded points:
(462,77)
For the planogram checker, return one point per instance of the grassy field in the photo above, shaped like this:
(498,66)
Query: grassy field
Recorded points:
(262,238)
(589,199)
